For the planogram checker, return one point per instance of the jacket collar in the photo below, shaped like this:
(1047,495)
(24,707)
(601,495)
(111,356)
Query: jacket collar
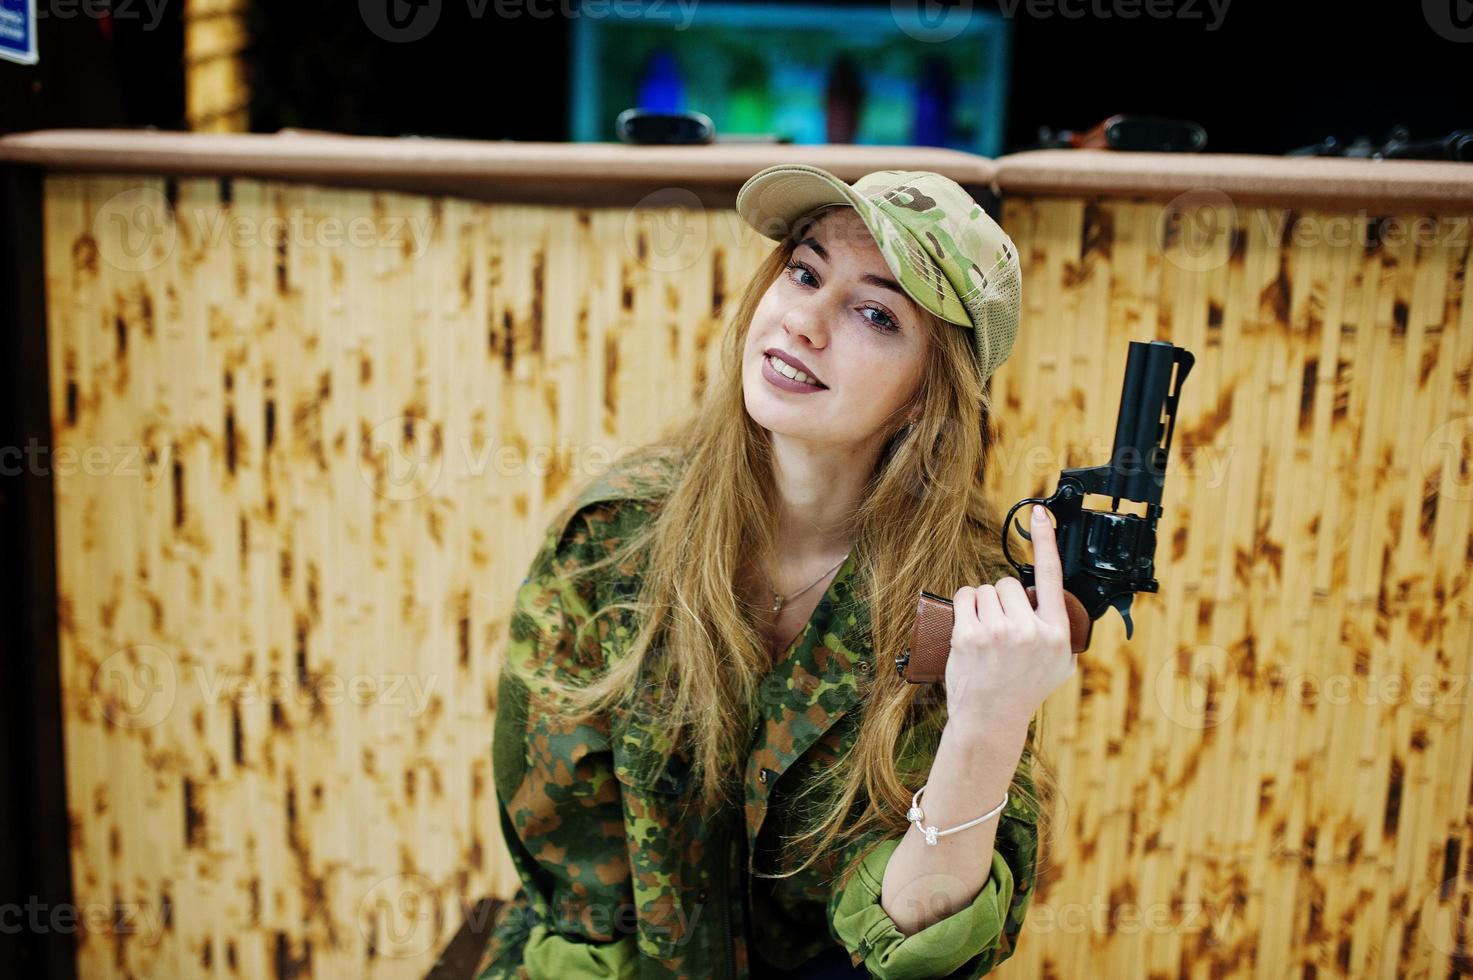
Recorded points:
(818,680)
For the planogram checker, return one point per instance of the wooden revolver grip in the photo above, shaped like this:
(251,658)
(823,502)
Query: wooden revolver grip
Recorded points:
(930,645)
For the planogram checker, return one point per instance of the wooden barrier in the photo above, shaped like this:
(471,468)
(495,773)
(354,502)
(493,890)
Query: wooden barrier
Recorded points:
(298,475)
(1272,777)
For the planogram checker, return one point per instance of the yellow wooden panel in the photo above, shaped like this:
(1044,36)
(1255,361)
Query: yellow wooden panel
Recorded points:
(314,435)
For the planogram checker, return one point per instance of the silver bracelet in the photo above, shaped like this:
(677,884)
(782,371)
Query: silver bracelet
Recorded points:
(915,816)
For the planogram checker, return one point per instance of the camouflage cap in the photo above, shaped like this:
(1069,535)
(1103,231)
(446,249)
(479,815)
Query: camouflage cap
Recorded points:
(947,253)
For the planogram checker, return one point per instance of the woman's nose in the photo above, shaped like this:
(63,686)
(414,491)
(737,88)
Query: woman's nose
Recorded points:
(808,320)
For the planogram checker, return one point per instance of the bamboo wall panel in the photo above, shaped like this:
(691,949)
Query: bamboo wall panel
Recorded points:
(1272,778)
(321,472)
(216,89)
(337,479)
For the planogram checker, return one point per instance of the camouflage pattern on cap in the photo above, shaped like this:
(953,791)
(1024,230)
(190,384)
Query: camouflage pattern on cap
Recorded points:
(945,250)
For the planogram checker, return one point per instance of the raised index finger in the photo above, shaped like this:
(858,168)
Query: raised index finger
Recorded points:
(1048,571)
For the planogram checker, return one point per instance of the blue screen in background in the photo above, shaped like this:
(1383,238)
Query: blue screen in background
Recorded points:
(807,74)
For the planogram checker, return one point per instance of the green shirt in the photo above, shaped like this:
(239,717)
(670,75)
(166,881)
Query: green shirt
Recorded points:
(620,878)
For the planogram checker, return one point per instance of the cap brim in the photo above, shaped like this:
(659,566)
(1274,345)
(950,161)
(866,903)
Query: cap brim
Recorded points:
(773,200)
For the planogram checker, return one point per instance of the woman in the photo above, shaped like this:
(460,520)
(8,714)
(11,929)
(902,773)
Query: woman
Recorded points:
(703,766)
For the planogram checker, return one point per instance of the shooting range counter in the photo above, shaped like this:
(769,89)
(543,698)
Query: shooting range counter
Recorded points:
(303,403)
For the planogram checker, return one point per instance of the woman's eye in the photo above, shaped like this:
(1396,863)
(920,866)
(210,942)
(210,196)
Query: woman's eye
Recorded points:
(796,268)
(885,323)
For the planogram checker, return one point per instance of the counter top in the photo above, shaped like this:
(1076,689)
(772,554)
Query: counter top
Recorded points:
(1246,178)
(615,173)
(492,169)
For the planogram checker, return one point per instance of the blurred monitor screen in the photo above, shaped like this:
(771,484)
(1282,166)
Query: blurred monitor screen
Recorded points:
(895,74)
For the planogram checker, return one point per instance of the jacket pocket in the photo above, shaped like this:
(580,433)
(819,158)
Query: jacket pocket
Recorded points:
(670,777)
(646,758)
(572,759)
(589,760)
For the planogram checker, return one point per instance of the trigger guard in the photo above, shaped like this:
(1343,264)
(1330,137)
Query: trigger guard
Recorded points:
(1007,551)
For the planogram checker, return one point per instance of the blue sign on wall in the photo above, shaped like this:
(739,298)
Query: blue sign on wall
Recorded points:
(18,31)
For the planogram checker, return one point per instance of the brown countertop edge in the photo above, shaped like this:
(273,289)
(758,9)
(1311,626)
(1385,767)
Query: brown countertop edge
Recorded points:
(1330,182)
(492,169)
(596,173)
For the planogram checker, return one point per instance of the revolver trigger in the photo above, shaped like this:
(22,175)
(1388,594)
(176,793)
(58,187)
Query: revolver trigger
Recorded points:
(1122,603)
(1019,528)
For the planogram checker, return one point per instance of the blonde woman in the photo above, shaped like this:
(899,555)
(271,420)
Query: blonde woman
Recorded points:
(706,763)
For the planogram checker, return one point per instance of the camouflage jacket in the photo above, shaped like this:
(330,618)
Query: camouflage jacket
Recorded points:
(619,878)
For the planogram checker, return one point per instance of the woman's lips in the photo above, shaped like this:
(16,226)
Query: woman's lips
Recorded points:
(784,382)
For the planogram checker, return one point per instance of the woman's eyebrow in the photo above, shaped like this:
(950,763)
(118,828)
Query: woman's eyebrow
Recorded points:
(868,277)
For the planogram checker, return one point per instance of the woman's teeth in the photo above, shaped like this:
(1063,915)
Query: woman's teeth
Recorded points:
(783,367)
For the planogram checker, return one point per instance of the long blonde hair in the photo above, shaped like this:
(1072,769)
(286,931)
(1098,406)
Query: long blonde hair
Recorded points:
(923,523)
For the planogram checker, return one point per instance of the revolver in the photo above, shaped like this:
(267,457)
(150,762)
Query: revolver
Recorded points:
(1106,557)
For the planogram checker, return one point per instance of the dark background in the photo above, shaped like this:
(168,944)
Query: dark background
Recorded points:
(1271,77)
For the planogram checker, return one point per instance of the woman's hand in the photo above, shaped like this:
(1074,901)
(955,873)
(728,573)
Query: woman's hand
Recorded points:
(1007,657)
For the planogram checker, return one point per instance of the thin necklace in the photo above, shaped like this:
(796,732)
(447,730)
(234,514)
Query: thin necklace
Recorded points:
(778,600)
